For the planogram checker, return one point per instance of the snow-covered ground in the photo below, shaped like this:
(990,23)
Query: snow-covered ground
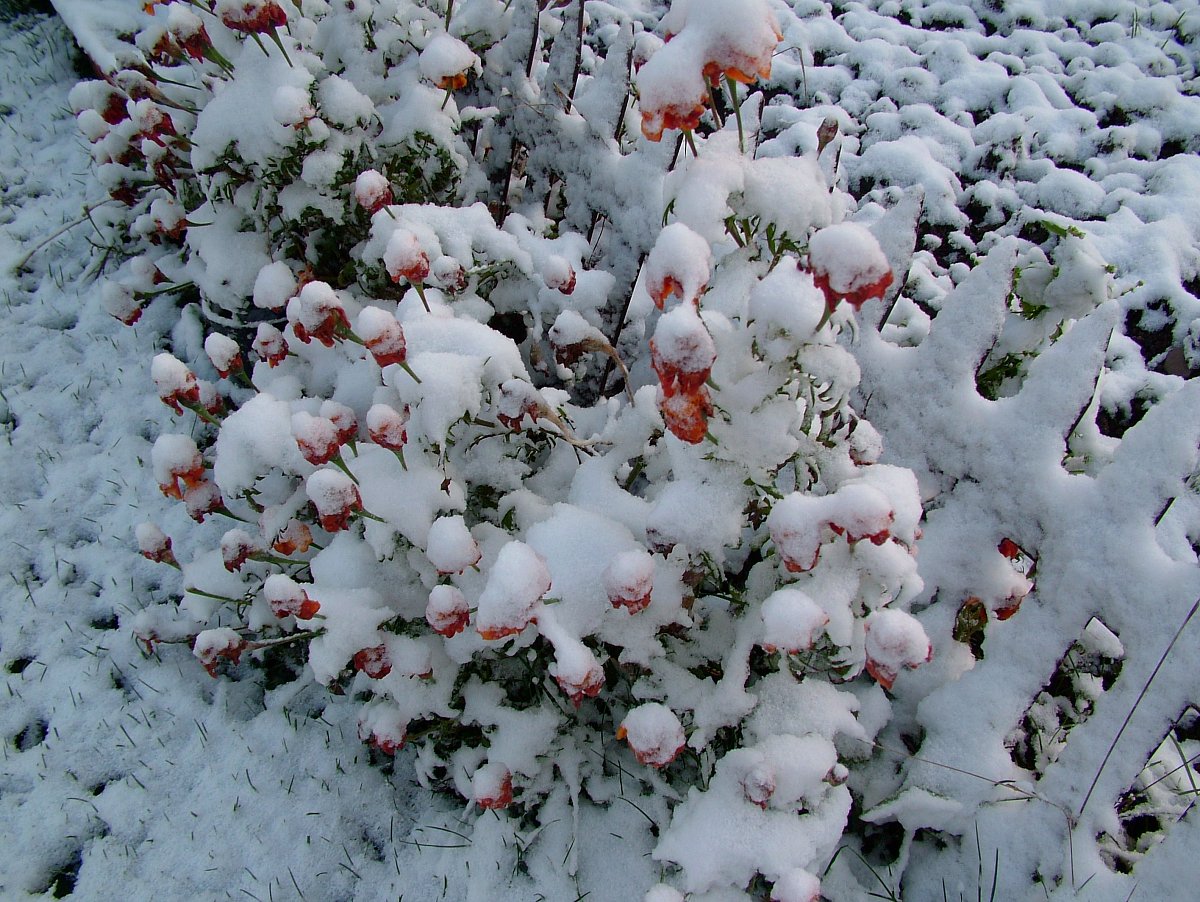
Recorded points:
(130,776)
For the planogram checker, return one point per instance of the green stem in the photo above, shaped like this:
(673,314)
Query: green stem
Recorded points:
(421,294)
(203,414)
(279,44)
(294,637)
(408,369)
(691,143)
(261,45)
(226,512)
(712,99)
(337,461)
(737,111)
(191,590)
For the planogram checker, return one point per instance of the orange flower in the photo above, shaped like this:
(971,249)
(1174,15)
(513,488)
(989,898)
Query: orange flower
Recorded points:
(686,414)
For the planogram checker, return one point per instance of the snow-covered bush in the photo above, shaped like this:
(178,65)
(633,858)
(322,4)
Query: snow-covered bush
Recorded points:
(536,435)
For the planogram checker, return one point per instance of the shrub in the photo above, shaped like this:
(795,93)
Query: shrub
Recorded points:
(525,462)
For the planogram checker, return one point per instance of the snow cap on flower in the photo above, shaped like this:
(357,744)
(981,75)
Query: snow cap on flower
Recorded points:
(795,526)
(791,621)
(848,264)
(757,778)
(629,579)
(404,258)
(386,426)
(317,312)
(317,437)
(224,353)
(557,273)
(654,734)
(384,727)
(447,611)
(374,661)
(250,16)
(709,43)
(212,645)
(176,383)
(176,458)
(518,399)
(287,597)
(382,334)
(449,274)
(334,496)
(492,786)
(516,584)
(121,302)
(894,640)
(270,345)
(797,885)
(679,263)
(202,499)
(860,511)
(237,546)
(343,417)
(273,286)
(450,546)
(446,60)
(682,351)
(154,544)
(372,190)
(576,670)
(188,30)
(572,336)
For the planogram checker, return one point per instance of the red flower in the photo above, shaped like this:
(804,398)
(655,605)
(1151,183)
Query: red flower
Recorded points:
(518,399)
(686,414)
(372,191)
(316,437)
(629,580)
(404,258)
(253,16)
(237,546)
(335,497)
(270,345)
(683,373)
(383,336)
(317,313)
(374,662)
(287,597)
(177,385)
(448,611)
(855,297)
(212,645)
(579,686)
(154,544)
(493,788)
(202,500)
(386,426)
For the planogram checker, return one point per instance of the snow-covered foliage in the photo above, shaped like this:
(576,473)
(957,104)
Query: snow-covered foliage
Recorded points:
(543,426)
(511,542)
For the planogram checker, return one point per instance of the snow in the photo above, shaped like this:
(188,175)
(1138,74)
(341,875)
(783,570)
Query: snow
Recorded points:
(997,127)
(653,732)
(517,581)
